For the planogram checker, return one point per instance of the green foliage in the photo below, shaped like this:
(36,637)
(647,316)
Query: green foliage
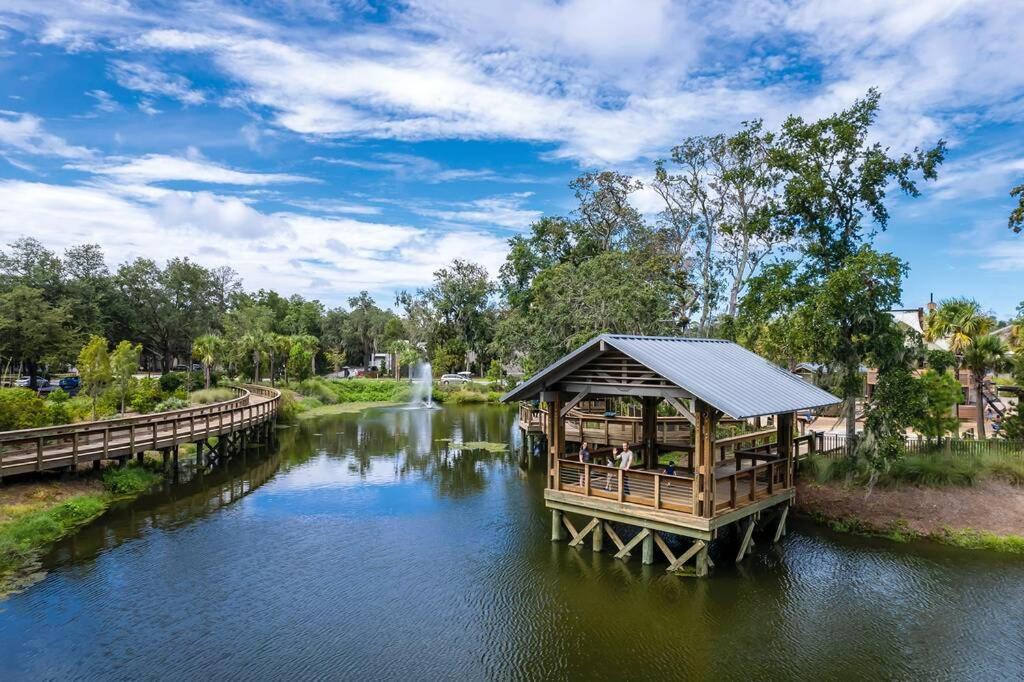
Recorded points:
(958,320)
(33,328)
(1013,424)
(145,394)
(129,480)
(934,471)
(208,350)
(941,360)
(211,395)
(941,391)
(21,408)
(22,537)
(173,403)
(1016,221)
(927,470)
(124,362)
(449,357)
(973,539)
(94,369)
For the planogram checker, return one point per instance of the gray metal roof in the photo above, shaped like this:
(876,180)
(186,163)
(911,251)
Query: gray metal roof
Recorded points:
(721,373)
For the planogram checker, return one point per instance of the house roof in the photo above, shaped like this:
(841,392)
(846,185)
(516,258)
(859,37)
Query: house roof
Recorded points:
(721,373)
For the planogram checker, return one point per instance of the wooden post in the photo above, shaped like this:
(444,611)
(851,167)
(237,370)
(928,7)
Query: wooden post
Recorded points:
(557,529)
(74,450)
(597,538)
(647,557)
(784,438)
(556,433)
(703,562)
(704,444)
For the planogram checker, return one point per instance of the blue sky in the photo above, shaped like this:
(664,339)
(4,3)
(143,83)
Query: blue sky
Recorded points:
(323,147)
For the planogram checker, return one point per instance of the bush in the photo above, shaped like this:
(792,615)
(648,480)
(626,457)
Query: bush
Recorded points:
(145,394)
(170,382)
(21,408)
(212,395)
(1005,468)
(933,470)
(170,404)
(321,390)
(129,480)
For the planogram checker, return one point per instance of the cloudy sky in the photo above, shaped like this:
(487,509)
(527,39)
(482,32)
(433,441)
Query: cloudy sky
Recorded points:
(323,147)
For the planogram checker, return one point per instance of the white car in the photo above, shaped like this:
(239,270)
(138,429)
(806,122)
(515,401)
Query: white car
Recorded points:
(25,382)
(450,379)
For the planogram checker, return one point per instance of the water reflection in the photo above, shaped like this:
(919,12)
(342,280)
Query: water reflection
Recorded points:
(373,547)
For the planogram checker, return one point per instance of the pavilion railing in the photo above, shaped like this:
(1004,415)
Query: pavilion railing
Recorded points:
(656,490)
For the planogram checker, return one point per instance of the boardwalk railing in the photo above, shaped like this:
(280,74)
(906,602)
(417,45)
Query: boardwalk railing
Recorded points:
(645,488)
(70,444)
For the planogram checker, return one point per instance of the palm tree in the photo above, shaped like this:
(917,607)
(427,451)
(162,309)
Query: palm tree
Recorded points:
(255,343)
(278,346)
(207,350)
(985,353)
(960,321)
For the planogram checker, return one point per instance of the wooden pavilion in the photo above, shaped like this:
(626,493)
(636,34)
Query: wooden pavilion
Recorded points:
(713,486)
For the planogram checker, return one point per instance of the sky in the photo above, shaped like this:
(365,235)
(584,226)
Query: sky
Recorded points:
(326,147)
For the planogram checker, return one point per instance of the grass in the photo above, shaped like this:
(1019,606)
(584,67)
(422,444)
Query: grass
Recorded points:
(938,470)
(318,410)
(211,395)
(898,531)
(29,528)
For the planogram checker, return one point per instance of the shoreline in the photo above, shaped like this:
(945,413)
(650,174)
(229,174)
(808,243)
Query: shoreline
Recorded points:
(36,514)
(988,516)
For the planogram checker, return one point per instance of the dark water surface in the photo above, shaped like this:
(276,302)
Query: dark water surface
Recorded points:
(368,549)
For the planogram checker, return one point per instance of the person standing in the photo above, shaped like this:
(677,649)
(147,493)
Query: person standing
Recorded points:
(626,457)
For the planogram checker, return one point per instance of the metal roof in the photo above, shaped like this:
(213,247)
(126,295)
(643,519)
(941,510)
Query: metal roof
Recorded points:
(721,373)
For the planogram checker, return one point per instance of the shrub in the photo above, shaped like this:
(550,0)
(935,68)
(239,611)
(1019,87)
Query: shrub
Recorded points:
(57,411)
(129,480)
(21,408)
(212,395)
(1005,468)
(172,403)
(321,390)
(933,470)
(170,382)
(145,394)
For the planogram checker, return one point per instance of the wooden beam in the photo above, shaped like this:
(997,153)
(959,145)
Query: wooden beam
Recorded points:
(665,549)
(613,535)
(745,543)
(682,409)
(780,530)
(624,552)
(568,524)
(615,389)
(573,403)
(578,539)
(687,555)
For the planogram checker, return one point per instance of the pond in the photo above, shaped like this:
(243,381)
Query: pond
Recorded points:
(372,547)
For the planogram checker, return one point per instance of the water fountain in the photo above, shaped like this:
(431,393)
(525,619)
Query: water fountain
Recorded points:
(422,386)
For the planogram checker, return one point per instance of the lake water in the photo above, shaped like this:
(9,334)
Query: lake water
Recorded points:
(369,547)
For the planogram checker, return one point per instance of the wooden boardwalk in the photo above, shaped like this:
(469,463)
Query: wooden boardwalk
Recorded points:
(70,445)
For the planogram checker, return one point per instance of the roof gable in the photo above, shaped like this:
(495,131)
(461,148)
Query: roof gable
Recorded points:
(721,373)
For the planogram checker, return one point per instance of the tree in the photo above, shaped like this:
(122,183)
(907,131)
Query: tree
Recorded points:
(1016,221)
(32,329)
(279,346)
(124,362)
(941,360)
(460,303)
(26,262)
(302,356)
(94,369)
(941,391)
(985,353)
(833,199)
(249,327)
(365,324)
(959,321)
(172,305)
(207,350)
(835,180)
(336,358)
(605,216)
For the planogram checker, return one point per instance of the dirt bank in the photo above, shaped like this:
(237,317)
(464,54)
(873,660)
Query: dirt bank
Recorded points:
(990,507)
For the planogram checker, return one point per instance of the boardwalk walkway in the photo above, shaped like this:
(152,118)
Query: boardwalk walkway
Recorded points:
(69,445)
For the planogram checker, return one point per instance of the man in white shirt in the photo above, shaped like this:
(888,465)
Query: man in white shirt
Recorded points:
(625,457)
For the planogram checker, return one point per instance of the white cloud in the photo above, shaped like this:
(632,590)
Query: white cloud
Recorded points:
(104,101)
(24,133)
(330,258)
(502,211)
(152,81)
(163,168)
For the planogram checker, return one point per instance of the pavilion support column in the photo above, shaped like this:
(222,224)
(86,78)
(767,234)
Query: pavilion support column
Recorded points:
(647,555)
(597,537)
(650,431)
(557,527)
(784,439)
(556,434)
(704,444)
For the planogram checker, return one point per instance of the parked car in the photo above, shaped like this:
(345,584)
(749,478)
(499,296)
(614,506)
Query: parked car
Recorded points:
(70,385)
(453,379)
(25,382)
(468,376)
